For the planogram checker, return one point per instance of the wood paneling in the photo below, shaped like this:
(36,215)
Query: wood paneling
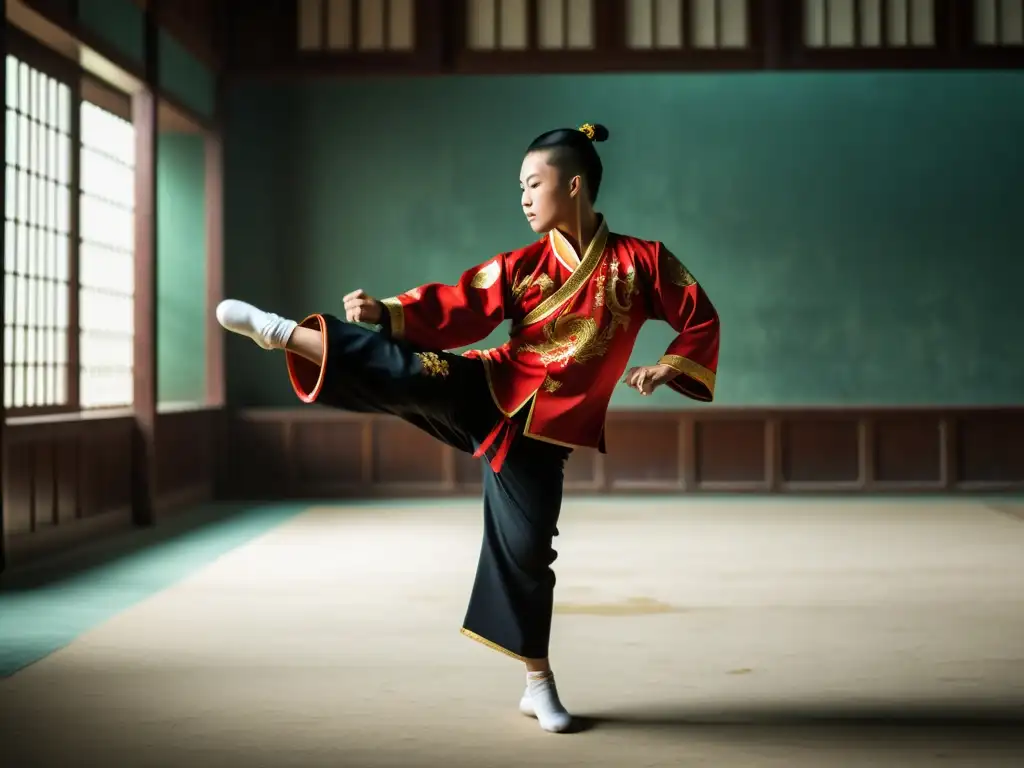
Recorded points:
(314,452)
(657,465)
(820,451)
(907,449)
(63,477)
(58,472)
(189,444)
(989,449)
(730,453)
(68,479)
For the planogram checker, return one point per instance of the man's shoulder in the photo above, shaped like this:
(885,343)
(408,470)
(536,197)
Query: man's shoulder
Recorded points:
(527,252)
(633,241)
(638,246)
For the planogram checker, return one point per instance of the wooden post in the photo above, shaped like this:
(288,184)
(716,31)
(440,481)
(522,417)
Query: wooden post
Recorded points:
(214,266)
(144,117)
(216,380)
(3,249)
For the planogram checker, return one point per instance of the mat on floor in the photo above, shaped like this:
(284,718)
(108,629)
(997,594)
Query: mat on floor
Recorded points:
(40,614)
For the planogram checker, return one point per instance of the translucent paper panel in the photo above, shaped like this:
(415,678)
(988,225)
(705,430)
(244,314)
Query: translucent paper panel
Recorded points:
(869,23)
(999,22)
(106,264)
(492,24)
(565,24)
(37,222)
(709,24)
(310,24)
(368,25)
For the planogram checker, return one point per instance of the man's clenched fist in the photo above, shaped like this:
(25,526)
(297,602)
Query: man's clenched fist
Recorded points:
(362,308)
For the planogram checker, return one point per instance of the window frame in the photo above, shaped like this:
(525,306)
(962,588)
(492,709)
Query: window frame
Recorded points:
(82,87)
(38,57)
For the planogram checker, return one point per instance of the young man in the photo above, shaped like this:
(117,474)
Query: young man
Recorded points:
(525,405)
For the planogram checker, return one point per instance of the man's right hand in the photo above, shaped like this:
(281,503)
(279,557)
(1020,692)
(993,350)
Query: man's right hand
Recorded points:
(362,308)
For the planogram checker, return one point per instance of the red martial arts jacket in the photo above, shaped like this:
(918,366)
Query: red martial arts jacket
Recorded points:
(574,324)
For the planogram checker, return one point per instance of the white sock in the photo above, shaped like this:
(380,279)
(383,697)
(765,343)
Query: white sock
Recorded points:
(541,700)
(268,330)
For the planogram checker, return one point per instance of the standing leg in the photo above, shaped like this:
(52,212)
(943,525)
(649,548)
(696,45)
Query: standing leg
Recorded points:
(512,599)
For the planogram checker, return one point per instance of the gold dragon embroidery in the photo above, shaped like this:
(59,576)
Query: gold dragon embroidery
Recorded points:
(577,338)
(433,364)
(551,385)
(619,309)
(676,273)
(569,338)
(542,281)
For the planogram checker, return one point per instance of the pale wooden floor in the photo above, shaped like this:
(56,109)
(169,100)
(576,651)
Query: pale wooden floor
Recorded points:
(714,633)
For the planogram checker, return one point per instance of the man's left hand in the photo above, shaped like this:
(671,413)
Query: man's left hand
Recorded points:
(645,379)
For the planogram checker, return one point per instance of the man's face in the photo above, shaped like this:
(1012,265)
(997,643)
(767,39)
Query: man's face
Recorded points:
(546,198)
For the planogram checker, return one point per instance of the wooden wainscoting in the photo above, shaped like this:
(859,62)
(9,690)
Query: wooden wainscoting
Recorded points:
(68,480)
(314,452)
(188,451)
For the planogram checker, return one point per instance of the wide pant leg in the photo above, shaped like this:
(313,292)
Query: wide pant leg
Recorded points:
(364,371)
(511,603)
(447,396)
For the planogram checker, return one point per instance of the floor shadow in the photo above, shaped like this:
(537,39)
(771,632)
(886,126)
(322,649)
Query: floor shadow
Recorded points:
(1013,511)
(928,723)
(54,569)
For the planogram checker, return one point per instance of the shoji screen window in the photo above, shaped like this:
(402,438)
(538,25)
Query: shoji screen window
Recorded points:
(37,220)
(106,258)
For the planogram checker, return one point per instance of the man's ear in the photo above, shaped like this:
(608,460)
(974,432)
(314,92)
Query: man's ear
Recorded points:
(575,185)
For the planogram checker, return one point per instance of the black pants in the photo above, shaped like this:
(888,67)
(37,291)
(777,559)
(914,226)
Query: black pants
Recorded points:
(447,396)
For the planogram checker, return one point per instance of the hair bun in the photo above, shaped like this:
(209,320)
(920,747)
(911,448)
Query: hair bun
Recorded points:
(594,131)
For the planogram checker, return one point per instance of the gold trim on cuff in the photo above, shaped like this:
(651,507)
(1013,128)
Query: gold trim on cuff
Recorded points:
(397,313)
(693,370)
(490,644)
(292,360)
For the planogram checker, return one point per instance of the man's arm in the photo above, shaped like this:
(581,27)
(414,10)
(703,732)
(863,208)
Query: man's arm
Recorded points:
(438,316)
(678,299)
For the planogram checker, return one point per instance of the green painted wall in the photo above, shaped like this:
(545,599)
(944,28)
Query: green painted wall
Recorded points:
(120,23)
(185,77)
(181,269)
(858,232)
(260,238)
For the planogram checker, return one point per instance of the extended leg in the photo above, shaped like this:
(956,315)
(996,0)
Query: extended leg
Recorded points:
(308,343)
(511,603)
(271,331)
(268,330)
(347,366)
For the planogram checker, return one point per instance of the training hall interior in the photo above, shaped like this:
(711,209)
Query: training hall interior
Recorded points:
(824,566)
